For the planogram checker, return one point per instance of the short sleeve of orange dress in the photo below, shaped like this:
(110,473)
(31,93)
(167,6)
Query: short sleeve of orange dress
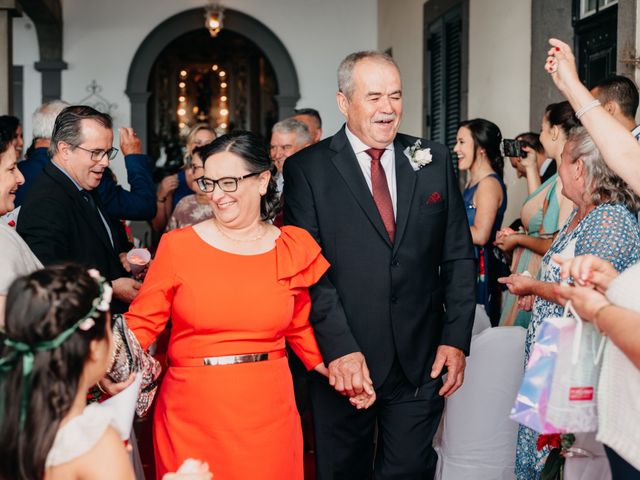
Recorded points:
(224,304)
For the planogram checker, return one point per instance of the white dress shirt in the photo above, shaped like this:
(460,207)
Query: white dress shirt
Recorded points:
(387,162)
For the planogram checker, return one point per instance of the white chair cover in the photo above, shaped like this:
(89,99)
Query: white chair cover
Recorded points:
(478,440)
(593,466)
(481,320)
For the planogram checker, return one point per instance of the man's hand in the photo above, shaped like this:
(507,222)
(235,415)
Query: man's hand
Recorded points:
(349,375)
(452,358)
(123,260)
(129,142)
(125,289)
(109,387)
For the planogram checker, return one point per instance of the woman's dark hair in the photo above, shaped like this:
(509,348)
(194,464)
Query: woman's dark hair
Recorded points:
(8,127)
(487,135)
(39,307)
(562,115)
(253,151)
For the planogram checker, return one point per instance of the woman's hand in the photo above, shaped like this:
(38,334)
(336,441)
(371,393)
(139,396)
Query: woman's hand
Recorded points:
(561,65)
(167,185)
(507,243)
(587,271)
(518,284)
(322,370)
(111,388)
(363,400)
(530,161)
(586,301)
(503,232)
(525,302)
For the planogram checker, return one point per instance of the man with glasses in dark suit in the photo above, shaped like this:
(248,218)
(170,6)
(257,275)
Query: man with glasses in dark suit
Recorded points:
(62,218)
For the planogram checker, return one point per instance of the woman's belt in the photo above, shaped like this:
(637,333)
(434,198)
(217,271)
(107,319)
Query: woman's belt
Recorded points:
(227,360)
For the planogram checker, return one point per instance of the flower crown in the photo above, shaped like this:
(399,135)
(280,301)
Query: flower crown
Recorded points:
(26,351)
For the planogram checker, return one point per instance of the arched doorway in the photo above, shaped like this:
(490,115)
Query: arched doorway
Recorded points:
(238,27)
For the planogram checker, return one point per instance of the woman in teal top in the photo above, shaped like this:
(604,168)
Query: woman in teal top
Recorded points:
(485,198)
(544,212)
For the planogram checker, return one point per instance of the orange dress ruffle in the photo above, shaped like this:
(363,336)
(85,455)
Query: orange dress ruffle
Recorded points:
(241,419)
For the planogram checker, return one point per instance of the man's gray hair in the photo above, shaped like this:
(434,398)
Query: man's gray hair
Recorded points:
(602,185)
(68,125)
(345,70)
(44,118)
(291,125)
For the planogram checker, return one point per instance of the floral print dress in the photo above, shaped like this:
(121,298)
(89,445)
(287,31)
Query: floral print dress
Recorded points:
(610,232)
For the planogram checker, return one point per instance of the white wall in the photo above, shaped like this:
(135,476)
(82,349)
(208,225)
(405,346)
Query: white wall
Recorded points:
(25,53)
(499,75)
(101,38)
(400,28)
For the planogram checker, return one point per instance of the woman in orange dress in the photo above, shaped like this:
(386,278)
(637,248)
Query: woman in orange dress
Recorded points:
(235,288)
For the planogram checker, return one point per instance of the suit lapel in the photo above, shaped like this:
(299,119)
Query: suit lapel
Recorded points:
(91,216)
(405,186)
(347,165)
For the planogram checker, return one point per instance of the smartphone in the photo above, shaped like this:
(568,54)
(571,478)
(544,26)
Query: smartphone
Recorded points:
(513,148)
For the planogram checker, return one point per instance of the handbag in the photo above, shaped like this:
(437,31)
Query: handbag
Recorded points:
(558,391)
(129,357)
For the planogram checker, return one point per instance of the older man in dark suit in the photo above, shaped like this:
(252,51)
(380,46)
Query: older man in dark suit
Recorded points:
(399,298)
(62,218)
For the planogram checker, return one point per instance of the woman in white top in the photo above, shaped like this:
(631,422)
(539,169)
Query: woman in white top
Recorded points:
(15,257)
(58,344)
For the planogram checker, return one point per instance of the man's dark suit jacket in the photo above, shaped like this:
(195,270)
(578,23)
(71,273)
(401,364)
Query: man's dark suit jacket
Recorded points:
(59,225)
(380,298)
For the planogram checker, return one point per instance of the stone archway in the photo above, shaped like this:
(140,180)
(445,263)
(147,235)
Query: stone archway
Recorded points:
(187,21)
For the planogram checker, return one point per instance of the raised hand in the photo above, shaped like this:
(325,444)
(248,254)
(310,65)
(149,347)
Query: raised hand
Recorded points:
(129,141)
(453,358)
(561,65)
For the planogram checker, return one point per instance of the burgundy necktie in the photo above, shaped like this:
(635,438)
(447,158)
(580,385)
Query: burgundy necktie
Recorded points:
(380,190)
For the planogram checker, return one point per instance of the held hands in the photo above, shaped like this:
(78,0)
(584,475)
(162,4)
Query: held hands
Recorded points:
(507,243)
(587,271)
(129,141)
(349,375)
(453,358)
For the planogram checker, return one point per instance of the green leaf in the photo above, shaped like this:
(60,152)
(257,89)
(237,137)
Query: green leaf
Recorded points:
(553,467)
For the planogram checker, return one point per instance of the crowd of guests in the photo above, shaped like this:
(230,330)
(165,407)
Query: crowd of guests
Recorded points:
(270,266)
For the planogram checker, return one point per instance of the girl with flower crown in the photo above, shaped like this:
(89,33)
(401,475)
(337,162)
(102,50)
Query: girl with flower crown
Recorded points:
(58,344)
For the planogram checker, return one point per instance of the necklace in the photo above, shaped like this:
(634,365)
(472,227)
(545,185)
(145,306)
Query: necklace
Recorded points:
(263,230)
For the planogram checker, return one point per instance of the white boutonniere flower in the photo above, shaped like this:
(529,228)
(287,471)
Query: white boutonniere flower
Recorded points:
(418,157)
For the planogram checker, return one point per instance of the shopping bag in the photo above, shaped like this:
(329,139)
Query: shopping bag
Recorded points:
(557,394)
(572,403)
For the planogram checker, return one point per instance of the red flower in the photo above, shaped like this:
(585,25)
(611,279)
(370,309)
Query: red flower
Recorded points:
(11,223)
(435,197)
(552,441)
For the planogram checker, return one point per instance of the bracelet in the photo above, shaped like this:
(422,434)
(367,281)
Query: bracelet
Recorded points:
(101,389)
(585,108)
(595,318)
(161,200)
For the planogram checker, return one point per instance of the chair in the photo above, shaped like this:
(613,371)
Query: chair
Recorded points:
(478,440)
(594,465)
